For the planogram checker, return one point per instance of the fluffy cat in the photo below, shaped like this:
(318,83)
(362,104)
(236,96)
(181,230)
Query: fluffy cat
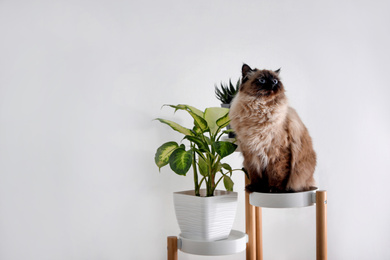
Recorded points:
(277,148)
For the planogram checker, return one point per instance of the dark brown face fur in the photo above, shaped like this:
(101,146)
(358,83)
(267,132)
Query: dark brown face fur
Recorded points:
(261,83)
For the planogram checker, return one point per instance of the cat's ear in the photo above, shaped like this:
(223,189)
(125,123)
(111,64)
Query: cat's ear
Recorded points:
(277,71)
(245,70)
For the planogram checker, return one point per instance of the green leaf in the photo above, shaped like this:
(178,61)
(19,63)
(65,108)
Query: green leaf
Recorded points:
(200,154)
(228,131)
(203,168)
(180,161)
(178,107)
(223,121)
(203,147)
(227,181)
(161,157)
(196,130)
(199,121)
(208,140)
(224,148)
(187,108)
(226,167)
(217,167)
(175,126)
(212,114)
(196,114)
(196,111)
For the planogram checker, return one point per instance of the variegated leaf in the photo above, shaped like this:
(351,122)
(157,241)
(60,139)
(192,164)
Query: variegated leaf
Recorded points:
(161,157)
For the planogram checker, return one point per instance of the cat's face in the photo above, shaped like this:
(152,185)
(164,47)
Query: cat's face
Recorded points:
(261,83)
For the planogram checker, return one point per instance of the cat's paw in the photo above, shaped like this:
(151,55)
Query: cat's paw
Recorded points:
(294,185)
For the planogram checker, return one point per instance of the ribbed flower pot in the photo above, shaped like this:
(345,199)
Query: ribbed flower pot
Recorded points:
(205,218)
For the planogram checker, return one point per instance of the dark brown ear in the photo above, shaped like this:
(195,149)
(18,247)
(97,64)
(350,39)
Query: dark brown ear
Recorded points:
(277,71)
(245,69)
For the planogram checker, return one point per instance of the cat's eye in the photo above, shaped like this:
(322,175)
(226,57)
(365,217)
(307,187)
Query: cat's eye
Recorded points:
(261,80)
(275,81)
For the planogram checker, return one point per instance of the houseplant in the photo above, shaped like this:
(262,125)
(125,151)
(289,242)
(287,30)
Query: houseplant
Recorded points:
(204,152)
(225,94)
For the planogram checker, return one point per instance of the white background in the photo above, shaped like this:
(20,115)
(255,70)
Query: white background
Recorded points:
(82,81)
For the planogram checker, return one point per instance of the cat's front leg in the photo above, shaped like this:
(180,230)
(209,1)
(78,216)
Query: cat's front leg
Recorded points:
(301,177)
(258,182)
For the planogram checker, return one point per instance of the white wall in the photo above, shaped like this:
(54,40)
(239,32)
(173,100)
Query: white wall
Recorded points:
(81,81)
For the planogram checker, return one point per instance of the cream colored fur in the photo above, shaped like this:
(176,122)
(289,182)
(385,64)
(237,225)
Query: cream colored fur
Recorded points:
(269,132)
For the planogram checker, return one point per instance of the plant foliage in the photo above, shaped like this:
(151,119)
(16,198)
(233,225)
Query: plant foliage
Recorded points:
(227,91)
(205,150)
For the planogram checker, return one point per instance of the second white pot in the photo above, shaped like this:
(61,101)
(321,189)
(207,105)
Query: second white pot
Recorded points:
(205,218)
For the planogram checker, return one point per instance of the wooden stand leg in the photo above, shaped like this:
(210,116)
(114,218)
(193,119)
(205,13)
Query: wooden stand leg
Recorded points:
(259,234)
(172,248)
(321,223)
(250,226)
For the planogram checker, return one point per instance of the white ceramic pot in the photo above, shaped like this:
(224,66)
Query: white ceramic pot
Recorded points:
(205,218)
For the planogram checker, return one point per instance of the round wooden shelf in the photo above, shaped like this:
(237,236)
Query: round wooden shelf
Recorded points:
(235,243)
(283,200)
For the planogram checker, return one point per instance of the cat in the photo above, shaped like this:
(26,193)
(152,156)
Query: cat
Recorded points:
(276,146)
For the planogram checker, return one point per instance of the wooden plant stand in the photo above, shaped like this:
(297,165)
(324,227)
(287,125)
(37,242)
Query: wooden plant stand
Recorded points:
(253,239)
(253,221)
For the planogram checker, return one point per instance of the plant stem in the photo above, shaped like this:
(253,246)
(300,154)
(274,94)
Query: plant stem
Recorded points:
(210,190)
(195,171)
(200,183)
(220,178)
